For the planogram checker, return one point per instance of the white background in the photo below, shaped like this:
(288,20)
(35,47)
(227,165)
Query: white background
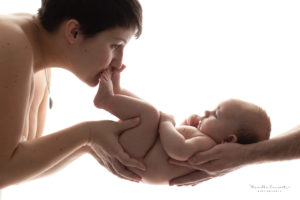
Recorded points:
(192,55)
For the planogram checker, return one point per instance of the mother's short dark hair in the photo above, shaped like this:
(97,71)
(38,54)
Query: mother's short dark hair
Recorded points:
(94,16)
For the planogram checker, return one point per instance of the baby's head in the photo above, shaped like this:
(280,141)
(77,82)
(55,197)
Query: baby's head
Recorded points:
(236,121)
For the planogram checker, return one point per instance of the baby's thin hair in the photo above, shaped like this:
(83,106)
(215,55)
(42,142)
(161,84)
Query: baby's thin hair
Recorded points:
(249,133)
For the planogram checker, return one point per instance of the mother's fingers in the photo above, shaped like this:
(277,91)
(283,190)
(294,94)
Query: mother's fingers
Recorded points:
(191,179)
(124,173)
(182,164)
(100,160)
(127,124)
(126,160)
(116,168)
(97,157)
(206,167)
(205,156)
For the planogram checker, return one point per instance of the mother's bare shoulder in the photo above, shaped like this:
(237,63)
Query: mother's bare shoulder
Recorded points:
(16,75)
(16,54)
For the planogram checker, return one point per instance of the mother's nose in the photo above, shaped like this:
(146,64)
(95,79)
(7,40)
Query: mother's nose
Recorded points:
(117,61)
(116,64)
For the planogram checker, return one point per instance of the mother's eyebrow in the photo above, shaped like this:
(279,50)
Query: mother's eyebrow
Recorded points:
(123,40)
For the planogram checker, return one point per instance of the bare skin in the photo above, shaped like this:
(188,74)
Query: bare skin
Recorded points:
(154,146)
(26,50)
(225,158)
(142,142)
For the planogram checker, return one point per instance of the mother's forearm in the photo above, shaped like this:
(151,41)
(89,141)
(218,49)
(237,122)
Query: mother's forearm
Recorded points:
(283,147)
(33,158)
(66,161)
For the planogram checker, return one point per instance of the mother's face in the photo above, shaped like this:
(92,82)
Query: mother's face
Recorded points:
(96,54)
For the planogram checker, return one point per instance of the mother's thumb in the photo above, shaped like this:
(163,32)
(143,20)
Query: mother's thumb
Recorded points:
(129,123)
(201,158)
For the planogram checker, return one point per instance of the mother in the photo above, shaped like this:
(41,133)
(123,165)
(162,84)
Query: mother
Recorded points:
(82,36)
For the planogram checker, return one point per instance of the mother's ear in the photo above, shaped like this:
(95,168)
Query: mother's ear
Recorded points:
(72,29)
(230,139)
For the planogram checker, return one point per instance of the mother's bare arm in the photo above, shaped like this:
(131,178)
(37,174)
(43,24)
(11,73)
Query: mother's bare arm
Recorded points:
(41,119)
(20,161)
(65,162)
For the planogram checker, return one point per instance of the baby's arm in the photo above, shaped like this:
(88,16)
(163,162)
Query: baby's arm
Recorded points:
(179,147)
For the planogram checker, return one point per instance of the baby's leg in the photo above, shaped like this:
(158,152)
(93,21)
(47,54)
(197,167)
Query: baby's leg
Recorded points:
(135,141)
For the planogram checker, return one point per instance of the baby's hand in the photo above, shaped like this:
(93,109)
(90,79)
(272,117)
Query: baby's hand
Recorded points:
(193,120)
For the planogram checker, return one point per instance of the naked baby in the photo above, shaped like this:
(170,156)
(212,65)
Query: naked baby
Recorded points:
(156,139)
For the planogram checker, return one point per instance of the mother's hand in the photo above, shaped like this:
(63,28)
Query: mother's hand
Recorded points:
(105,147)
(219,160)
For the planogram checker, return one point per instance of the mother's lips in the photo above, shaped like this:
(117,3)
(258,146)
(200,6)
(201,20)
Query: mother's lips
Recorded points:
(99,75)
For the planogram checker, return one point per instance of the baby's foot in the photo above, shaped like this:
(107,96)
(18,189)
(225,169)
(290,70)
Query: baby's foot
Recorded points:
(115,77)
(105,90)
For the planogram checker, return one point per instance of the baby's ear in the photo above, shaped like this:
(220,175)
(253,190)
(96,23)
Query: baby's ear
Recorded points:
(230,139)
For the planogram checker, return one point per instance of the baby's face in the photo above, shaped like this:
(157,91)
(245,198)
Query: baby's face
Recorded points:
(221,122)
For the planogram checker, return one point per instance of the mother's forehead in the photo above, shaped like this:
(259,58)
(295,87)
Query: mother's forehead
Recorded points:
(118,32)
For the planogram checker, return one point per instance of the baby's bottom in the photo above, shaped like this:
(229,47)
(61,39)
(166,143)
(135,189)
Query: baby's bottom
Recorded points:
(136,141)
(143,141)
(159,171)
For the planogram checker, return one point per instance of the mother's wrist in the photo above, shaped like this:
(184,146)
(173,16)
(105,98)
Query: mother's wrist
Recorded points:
(253,154)
(89,132)
(86,131)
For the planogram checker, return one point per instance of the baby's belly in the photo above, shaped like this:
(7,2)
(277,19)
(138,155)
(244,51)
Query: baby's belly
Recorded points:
(159,171)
